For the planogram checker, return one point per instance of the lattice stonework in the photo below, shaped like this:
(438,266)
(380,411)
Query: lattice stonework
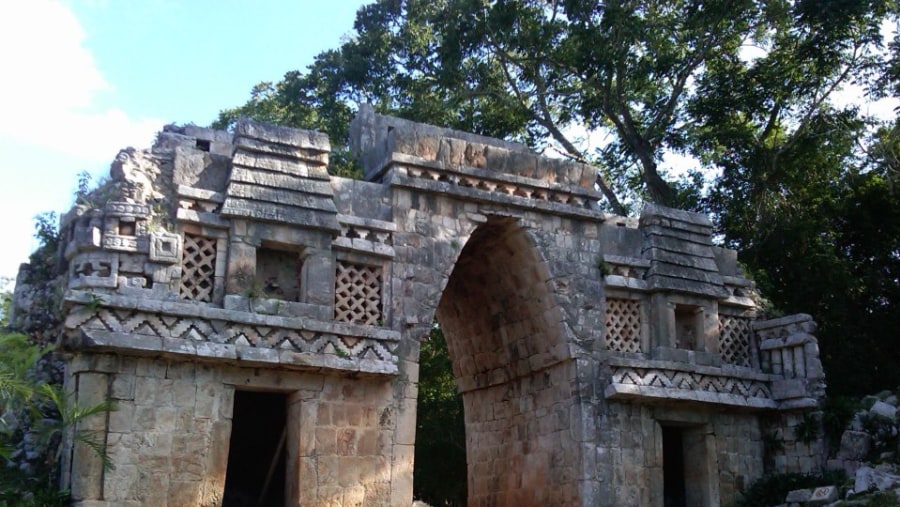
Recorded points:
(198,268)
(735,339)
(357,294)
(623,325)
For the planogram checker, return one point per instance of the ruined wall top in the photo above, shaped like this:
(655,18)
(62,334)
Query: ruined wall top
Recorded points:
(248,228)
(379,140)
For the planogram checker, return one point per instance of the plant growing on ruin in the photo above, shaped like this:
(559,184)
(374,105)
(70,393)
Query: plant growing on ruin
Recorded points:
(242,280)
(95,301)
(807,430)
(838,413)
(34,415)
(43,259)
(884,434)
(884,499)
(603,266)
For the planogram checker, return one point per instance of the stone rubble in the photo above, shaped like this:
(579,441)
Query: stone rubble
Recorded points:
(868,454)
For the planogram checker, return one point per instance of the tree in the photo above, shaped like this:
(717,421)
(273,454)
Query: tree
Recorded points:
(799,177)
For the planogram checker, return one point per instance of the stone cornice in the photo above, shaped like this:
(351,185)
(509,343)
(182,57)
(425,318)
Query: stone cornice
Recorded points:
(149,327)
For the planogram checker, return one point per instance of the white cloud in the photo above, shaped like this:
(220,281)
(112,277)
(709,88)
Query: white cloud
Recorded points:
(52,81)
(51,121)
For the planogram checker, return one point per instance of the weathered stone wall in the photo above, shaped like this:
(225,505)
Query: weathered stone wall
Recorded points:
(723,452)
(582,343)
(521,444)
(168,438)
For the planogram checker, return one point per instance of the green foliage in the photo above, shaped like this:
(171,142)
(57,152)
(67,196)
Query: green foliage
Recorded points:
(5,302)
(772,443)
(34,406)
(771,489)
(807,431)
(838,412)
(440,455)
(884,499)
(805,187)
(43,259)
(17,358)
(13,483)
(83,189)
(883,432)
(603,266)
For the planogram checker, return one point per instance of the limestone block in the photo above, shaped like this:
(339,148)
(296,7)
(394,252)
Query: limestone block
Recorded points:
(855,445)
(87,467)
(401,474)
(799,496)
(824,495)
(86,237)
(318,279)
(125,209)
(165,247)
(294,178)
(880,478)
(248,165)
(789,388)
(883,409)
(200,169)
(282,213)
(94,270)
(452,151)
(182,493)
(281,135)
(282,196)
(120,420)
(122,387)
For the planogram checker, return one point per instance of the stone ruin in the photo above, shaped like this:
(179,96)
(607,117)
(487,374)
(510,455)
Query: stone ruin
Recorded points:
(258,322)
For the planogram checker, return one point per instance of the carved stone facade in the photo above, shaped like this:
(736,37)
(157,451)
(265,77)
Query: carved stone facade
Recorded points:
(602,360)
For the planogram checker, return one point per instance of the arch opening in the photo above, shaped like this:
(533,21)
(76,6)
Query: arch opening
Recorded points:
(509,357)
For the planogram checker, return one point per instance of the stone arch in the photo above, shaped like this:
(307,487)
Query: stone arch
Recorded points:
(509,352)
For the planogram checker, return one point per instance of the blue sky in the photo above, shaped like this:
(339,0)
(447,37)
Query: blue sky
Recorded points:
(83,79)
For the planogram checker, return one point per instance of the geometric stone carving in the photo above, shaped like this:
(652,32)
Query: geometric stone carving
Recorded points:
(198,267)
(120,243)
(94,269)
(735,336)
(165,247)
(357,294)
(623,325)
(126,209)
(470,178)
(199,329)
(698,383)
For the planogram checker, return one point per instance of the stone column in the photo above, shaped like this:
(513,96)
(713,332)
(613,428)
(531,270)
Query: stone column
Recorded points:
(87,466)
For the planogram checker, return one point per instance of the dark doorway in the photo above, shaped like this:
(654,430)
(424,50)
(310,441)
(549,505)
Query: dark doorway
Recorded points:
(673,467)
(256,457)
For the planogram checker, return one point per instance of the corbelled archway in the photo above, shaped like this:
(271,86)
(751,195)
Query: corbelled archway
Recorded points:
(505,336)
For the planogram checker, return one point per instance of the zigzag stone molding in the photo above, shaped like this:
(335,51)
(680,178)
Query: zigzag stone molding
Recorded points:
(629,382)
(171,328)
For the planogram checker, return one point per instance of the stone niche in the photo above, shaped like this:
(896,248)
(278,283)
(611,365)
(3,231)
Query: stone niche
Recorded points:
(279,272)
